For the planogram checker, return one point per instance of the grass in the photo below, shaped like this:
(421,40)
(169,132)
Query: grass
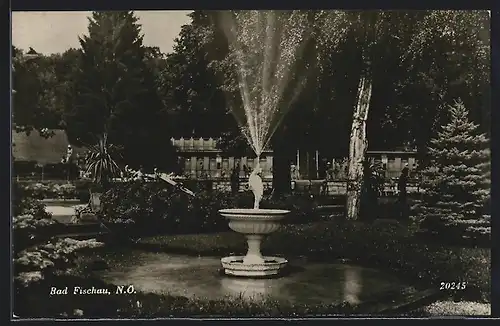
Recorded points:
(389,247)
(386,246)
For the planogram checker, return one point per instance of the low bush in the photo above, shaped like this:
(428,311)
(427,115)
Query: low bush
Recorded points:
(149,207)
(78,189)
(24,167)
(24,204)
(471,232)
(61,171)
(37,253)
(141,208)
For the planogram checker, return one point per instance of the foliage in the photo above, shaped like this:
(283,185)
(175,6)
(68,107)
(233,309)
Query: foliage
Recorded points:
(36,252)
(101,163)
(457,181)
(77,189)
(302,208)
(56,255)
(115,93)
(23,203)
(34,82)
(51,190)
(82,210)
(439,78)
(149,207)
(410,77)
(412,81)
(373,186)
(189,85)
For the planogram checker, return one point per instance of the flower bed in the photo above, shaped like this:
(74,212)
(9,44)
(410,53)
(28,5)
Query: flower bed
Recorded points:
(37,253)
(53,190)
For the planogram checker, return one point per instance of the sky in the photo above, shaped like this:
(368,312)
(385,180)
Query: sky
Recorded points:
(57,31)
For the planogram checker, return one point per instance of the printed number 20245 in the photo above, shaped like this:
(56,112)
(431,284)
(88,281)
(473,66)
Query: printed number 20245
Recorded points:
(453,285)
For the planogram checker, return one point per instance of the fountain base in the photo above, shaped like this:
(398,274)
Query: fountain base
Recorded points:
(270,266)
(254,224)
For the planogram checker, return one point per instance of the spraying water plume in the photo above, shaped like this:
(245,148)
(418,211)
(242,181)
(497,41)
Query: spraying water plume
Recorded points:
(266,47)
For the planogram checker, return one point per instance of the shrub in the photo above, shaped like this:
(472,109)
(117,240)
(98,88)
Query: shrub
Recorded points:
(151,207)
(373,185)
(54,256)
(77,189)
(457,184)
(82,190)
(141,208)
(61,171)
(36,251)
(24,167)
(302,208)
(50,190)
(24,204)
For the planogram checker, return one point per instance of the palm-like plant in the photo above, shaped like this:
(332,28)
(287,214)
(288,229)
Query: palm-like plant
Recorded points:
(101,162)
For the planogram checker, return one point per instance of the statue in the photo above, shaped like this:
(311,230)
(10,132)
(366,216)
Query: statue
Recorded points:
(255,184)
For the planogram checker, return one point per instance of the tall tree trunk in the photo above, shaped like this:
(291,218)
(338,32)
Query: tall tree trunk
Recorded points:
(281,164)
(358,145)
(358,141)
(281,172)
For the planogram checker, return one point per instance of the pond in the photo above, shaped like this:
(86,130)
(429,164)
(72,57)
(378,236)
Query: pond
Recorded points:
(307,283)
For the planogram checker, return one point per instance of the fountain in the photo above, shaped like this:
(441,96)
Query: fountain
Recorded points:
(266,46)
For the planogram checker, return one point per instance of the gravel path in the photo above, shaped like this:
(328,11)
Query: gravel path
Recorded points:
(463,308)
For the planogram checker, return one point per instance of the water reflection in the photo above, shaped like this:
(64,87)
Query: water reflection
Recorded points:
(352,284)
(309,283)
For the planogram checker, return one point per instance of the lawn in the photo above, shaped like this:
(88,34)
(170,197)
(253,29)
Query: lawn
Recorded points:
(386,246)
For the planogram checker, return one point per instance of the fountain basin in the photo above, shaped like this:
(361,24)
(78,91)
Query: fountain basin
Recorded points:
(234,265)
(254,224)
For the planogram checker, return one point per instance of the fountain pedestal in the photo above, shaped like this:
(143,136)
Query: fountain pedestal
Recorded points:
(254,255)
(254,224)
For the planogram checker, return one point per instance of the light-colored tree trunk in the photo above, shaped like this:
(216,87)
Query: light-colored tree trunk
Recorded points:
(357,147)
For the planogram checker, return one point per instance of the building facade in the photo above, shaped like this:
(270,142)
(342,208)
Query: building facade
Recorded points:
(201,158)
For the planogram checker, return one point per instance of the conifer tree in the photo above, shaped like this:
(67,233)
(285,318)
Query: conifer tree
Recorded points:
(457,180)
(115,93)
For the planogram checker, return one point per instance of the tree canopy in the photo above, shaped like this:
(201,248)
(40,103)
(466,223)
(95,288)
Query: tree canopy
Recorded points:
(422,61)
(115,93)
